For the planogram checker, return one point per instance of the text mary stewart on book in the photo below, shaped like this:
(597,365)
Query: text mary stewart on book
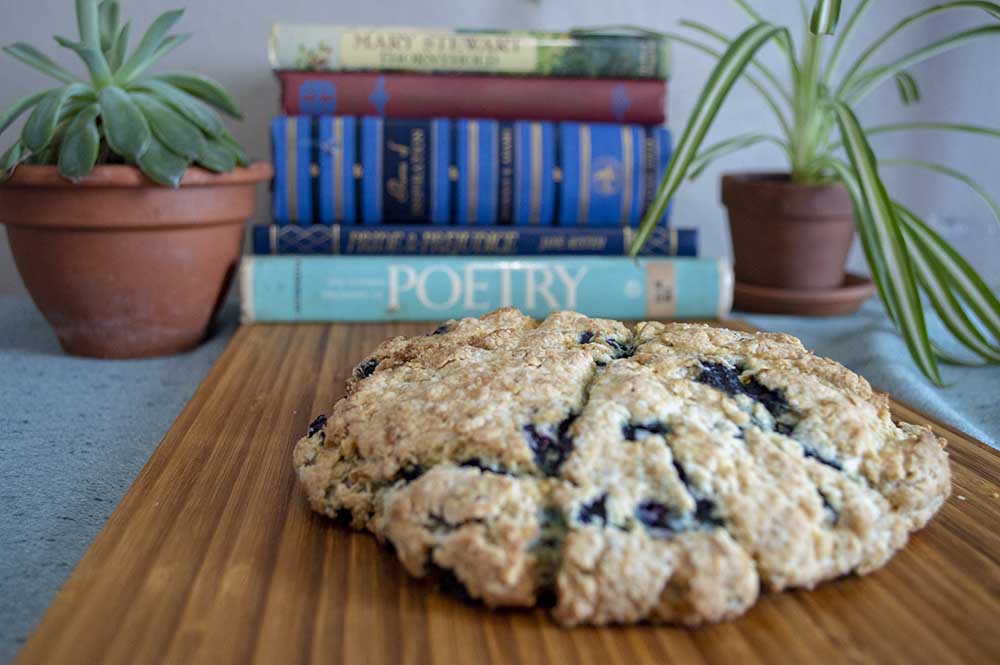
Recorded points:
(332,47)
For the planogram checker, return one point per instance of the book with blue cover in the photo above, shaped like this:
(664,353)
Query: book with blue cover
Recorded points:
(420,288)
(372,170)
(408,239)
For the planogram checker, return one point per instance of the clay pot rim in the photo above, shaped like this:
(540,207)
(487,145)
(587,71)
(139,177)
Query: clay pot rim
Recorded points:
(775,179)
(123,175)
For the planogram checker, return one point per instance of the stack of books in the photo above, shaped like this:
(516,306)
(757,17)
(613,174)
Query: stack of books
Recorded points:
(477,147)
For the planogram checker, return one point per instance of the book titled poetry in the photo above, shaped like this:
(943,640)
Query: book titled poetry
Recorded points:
(400,288)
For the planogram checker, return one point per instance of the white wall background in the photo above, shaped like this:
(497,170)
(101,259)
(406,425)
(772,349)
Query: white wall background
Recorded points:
(229,44)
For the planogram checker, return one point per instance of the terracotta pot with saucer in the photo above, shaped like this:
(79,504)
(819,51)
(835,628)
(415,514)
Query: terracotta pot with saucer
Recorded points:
(122,267)
(790,245)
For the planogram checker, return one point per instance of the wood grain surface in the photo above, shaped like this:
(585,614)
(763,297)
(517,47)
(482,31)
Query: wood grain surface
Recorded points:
(214,557)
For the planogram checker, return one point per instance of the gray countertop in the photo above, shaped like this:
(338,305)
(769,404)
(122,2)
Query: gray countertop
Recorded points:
(74,432)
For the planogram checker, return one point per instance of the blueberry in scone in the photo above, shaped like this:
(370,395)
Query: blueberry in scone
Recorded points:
(664,473)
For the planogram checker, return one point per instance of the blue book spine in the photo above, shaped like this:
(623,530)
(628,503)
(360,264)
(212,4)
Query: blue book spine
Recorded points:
(609,172)
(406,239)
(380,288)
(341,169)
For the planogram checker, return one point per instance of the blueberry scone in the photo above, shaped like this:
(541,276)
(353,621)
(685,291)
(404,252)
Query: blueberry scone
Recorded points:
(664,473)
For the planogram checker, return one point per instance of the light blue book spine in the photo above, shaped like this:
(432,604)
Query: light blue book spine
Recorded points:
(399,288)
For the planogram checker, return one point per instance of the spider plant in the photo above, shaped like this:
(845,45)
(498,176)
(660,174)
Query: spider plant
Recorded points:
(119,114)
(824,141)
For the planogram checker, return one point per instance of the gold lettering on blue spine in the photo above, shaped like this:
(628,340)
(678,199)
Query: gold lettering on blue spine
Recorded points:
(626,174)
(335,239)
(536,173)
(585,175)
(273,238)
(473,168)
(338,169)
(291,167)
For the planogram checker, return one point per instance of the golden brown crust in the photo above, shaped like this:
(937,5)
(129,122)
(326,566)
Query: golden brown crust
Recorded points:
(660,474)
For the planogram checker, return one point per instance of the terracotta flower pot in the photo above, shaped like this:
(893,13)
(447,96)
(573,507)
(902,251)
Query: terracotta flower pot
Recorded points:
(122,267)
(785,234)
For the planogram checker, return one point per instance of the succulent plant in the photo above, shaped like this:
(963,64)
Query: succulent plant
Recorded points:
(120,114)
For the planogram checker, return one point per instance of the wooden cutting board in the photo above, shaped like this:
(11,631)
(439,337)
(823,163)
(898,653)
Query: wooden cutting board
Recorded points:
(214,557)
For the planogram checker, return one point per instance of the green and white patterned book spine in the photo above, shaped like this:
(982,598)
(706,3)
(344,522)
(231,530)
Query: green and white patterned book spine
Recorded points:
(399,288)
(361,48)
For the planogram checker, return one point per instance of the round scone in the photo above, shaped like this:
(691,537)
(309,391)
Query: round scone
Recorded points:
(662,474)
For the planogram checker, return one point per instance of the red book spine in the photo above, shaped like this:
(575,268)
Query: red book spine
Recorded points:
(634,101)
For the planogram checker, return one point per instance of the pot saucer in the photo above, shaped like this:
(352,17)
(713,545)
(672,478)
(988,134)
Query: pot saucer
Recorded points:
(844,299)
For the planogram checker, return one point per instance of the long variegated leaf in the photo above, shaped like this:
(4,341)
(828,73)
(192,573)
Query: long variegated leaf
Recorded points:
(991,8)
(906,85)
(786,126)
(866,231)
(856,88)
(756,63)
(947,126)
(947,306)
(900,284)
(838,47)
(723,148)
(720,82)
(962,276)
(825,15)
(32,57)
(783,40)
(951,173)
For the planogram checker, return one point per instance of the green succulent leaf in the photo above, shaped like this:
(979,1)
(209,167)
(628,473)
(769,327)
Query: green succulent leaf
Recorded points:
(907,87)
(116,55)
(235,148)
(32,57)
(886,249)
(185,104)
(163,165)
(14,112)
(97,66)
(729,68)
(204,89)
(217,156)
(170,127)
(145,53)
(169,44)
(107,18)
(81,142)
(89,23)
(824,19)
(41,125)
(125,128)
(13,156)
